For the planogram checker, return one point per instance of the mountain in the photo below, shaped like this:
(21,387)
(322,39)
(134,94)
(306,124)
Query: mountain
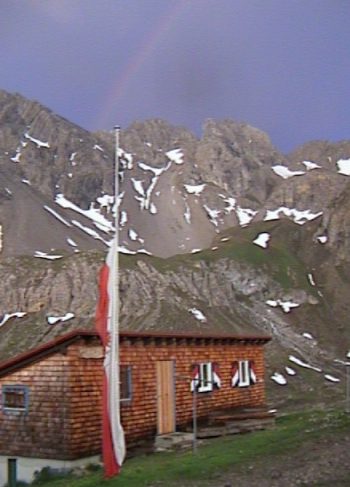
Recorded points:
(221,233)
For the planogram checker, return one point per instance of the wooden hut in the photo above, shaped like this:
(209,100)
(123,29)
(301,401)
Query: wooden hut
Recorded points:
(50,411)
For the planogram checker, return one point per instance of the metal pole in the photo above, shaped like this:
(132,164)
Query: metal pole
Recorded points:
(116,177)
(194,407)
(347,403)
(115,299)
(12,472)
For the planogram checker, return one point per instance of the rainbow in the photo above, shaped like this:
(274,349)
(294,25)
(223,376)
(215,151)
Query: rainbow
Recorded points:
(148,45)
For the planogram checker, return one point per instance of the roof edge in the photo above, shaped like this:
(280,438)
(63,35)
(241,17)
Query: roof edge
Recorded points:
(47,348)
(214,336)
(41,351)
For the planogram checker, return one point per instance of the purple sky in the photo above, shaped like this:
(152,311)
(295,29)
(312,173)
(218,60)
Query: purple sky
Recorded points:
(280,65)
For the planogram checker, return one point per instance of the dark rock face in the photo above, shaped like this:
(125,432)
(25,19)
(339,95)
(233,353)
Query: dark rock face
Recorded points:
(238,157)
(37,145)
(178,195)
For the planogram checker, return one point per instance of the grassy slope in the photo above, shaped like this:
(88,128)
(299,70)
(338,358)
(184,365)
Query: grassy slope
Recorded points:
(279,260)
(220,455)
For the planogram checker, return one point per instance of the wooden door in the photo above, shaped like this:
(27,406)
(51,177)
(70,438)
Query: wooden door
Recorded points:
(165,397)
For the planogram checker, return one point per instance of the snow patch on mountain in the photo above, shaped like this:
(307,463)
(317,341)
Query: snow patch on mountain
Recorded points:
(145,195)
(72,157)
(153,209)
(71,242)
(309,165)
(331,378)
(284,172)
(125,159)
(52,320)
(322,239)
(89,231)
(16,158)
(124,250)
(123,220)
(187,214)
(245,215)
(311,279)
(106,201)
(143,251)
(289,370)
(157,171)
(44,255)
(93,214)
(98,147)
(40,144)
(285,305)
(262,240)
(230,204)
(303,364)
(195,189)
(176,156)
(8,316)
(279,379)
(298,216)
(343,166)
(137,184)
(133,235)
(212,214)
(198,314)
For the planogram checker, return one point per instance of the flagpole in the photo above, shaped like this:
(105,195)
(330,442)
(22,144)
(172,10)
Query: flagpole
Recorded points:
(116,225)
(115,273)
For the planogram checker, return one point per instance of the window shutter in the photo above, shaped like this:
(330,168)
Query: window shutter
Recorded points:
(235,374)
(216,375)
(252,372)
(194,377)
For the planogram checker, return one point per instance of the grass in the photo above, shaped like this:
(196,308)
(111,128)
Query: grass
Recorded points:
(219,455)
(278,260)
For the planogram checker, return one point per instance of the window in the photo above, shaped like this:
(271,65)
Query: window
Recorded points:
(243,373)
(244,377)
(125,383)
(15,398)
(205,377)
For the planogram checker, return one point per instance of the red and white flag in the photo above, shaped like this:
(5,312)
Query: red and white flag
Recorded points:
(107,324)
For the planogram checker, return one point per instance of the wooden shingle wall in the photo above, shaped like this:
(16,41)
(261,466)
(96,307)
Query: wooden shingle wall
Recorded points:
(63,420)
(86,375)
(139,418)
(43,430)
